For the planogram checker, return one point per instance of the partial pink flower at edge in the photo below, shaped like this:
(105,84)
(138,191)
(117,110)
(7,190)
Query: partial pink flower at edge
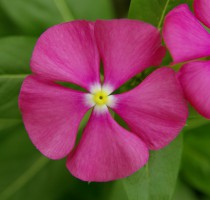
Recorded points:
(155,111)
(184,35)
(195,79)
(187,40)
(202,11)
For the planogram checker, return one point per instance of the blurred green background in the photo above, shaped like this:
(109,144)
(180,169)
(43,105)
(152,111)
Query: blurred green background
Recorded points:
(24,173)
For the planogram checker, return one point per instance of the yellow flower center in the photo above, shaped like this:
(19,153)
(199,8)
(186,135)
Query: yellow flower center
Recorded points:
(100,98)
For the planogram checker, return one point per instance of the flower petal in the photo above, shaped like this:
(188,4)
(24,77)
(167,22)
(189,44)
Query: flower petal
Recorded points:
(51,115)
(202,11)
(106,151)
(68,52)
(184,36)
(195,79)
(127,47)
(155,110)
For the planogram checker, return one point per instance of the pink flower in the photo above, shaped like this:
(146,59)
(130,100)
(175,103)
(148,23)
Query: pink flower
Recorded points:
(188,40)
(155,111)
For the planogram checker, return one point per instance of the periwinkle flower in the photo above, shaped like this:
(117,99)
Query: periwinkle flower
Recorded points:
(155,111)
(187,40)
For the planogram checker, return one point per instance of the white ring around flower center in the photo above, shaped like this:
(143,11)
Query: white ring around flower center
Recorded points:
(99,97)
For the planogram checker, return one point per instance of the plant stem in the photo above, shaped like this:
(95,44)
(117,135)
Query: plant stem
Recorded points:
(163,15)
(13,75)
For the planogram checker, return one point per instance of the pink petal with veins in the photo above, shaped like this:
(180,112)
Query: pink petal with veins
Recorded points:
(51,114)
(155,110)
(202,11)
(106,151)
(195,79)
(127,47)
(67,52)
(184,36)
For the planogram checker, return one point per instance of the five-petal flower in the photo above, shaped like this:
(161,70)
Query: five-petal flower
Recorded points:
(155,111)
(188,40)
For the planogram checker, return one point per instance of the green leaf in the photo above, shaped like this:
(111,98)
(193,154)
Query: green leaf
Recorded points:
(195,120)
(196,154)
(32,17)
(35,16)
(92,9)
(156,180)
(153,11)
(15,53)
(184,192)
(6,24)
(118,191)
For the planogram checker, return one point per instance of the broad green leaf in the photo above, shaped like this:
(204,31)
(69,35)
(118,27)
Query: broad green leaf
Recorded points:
(153,11)
(32,17)
(195,120)
(156,180)
(196,154)
(91,9)
(6,24)
(184,192)
(15,53)
(118,192)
